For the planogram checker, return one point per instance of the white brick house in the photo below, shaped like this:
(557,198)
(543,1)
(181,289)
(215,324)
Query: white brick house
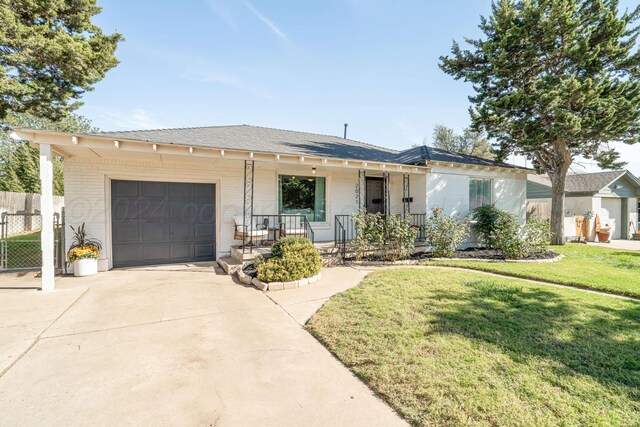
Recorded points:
(175,195)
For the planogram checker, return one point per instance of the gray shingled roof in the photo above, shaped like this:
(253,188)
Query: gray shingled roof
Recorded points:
(584,182)
(268,140)
(424,153)
(261,139)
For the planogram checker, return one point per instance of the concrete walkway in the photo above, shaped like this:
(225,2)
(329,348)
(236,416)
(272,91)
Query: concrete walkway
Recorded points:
(173,346)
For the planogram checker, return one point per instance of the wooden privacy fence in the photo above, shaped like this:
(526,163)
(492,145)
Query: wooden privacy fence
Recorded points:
(25,203)
(541,209)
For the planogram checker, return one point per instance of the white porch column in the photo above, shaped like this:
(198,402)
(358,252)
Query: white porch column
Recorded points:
(46,210)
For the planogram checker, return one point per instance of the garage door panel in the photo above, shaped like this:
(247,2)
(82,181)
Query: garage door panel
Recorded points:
(204,212)
(155,232)
(613,209)
(155,223)
(180,190)
(181,211)
(153,189)
(156,252)
(126,231)
(182,251)
(180,232)
(126,208)
(126,254)
(124,188)
(203,191)
(204,231)
(204,251)
(153,208)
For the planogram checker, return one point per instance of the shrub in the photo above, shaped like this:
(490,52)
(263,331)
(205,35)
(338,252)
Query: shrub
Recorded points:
(401,237)
(484,224)
(369,236)
(392,237)
(517,242)
(293,259)
(444,233)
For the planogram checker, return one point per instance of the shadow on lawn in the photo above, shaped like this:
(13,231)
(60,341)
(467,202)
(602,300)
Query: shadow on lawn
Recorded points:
(533,322)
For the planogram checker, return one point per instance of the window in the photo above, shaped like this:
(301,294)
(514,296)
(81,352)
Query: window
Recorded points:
(302,195)
(480,193)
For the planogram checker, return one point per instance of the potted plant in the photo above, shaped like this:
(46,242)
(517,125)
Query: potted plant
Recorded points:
(83,253)
(604,234)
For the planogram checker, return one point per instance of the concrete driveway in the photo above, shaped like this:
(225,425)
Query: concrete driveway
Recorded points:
(174,345)
(633,245)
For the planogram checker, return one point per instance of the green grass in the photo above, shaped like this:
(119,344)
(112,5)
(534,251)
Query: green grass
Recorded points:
(23,251)
(448,347)
(593,267)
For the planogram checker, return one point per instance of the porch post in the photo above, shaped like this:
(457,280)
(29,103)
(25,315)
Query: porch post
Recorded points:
(247,206)
(406,194)
(386,191)
(361,189)
(46,211)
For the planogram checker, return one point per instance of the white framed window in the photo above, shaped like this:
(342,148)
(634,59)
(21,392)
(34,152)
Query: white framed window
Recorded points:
(303,195)
(480,192)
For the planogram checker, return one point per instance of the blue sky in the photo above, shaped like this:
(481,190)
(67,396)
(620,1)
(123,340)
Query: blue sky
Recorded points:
(299,65)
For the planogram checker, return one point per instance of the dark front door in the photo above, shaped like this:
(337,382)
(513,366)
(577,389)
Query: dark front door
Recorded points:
(162,222)
(375,195)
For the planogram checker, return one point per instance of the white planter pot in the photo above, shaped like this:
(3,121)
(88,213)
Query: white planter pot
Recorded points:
(85,267)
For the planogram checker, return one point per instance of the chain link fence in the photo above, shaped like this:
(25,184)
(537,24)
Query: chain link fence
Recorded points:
(20,241)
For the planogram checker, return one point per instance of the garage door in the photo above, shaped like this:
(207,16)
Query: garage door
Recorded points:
(162,222)
(613,208)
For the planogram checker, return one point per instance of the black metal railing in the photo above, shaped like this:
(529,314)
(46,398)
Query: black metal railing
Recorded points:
(419,221)
(266,229)
(344,232)
(345,229)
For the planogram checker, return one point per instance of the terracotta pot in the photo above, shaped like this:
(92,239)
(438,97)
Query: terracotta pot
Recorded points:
(603,236)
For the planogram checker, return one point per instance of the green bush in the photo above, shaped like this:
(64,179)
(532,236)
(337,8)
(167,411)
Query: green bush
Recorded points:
(401,237)
(444,233)
(391,237)
(516,242)
(484,224)
(293,259)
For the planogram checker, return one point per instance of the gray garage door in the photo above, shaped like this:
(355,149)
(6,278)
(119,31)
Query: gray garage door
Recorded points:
(162,222)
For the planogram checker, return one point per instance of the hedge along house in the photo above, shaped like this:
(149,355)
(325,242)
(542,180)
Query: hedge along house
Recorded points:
(612,195)
(181,195)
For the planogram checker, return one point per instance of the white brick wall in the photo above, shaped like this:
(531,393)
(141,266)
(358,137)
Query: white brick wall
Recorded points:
(448,188)
(87,191)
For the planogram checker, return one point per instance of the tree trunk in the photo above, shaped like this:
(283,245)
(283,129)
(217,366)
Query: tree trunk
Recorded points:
(557,208)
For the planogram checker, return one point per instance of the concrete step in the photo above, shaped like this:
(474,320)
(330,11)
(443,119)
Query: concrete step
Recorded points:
(230,265)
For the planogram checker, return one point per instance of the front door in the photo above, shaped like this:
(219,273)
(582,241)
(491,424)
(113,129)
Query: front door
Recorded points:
(375,195)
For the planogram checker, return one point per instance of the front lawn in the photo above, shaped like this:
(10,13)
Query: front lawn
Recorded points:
(593,267)
(448,347)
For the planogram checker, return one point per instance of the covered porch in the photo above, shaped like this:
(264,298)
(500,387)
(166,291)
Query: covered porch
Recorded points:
(317,201)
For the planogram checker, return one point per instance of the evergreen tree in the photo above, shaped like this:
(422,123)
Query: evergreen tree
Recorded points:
(554,80)
(472,143)
(50,54)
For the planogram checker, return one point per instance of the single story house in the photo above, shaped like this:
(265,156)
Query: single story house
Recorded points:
(189,194)
(612,195)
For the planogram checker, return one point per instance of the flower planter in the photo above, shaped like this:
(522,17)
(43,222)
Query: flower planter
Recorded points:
(85,267)
(604,236)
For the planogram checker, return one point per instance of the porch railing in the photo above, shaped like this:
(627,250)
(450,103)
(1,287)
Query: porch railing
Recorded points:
(345,230)
(278,226)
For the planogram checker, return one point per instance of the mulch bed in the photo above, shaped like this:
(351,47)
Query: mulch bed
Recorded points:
(488,254)
(477,254)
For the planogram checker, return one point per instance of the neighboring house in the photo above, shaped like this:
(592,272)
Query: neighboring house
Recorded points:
(613,195)
(172,195)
